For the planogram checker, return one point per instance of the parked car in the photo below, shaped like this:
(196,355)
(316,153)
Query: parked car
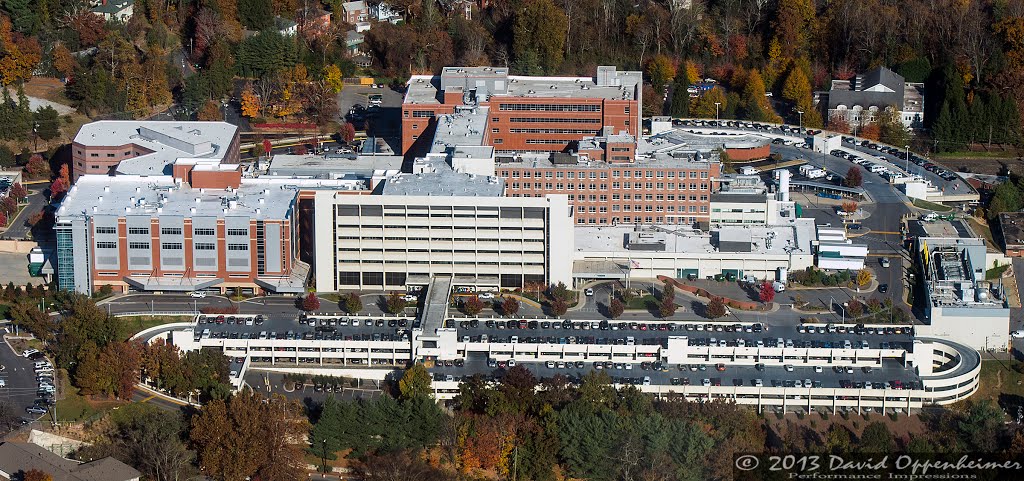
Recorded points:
(197,294)
(36,410)
(29,352)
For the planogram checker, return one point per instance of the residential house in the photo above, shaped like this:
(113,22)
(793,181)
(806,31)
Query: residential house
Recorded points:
(382,12)
(17,458)
(119,10)
(313,21)
(860,100)
(355,12)
(285,27)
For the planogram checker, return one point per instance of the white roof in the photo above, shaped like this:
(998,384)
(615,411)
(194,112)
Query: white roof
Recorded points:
(165,141)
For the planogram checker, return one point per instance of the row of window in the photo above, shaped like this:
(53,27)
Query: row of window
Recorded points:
(615,185)
(168,231)
(550,107)
(537,120)
(551,131)
(615,174)
(244,232)
(647,197)
(166,246)
(637,220)
(640,208)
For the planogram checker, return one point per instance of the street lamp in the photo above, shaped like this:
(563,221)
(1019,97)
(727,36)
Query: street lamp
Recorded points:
(801,113)
(716,110)
(908,157)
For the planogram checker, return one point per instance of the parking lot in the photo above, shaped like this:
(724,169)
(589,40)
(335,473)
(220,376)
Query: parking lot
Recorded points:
(21,387)
(383,121)
(890,375)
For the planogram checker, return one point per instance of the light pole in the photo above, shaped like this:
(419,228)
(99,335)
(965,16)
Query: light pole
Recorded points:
(801,113)
(716,110)
(908,158)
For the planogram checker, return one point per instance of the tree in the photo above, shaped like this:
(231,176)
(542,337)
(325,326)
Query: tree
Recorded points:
(871,131)
(332,78)
(19,54)
(838,123)
(668,301)
(539,27)
(891,129)
(615,308)
(3,219)
(8,206)
(509,306)
(46,123)
(415,383)
(210,112)
(347,132)
(767,292)
(394,303)
(559,307)
(704,106)
(353,303)
(311,302)
(249,436)
(472,305)
(716,308)
(37,167)
(755,105)
(63,62)
(876,439)
(854,178)
(250,102)
(660,70)
(797,89)
(849,207)
(256,14)
(61,184)
(36,475)
(863,278)
(793,25)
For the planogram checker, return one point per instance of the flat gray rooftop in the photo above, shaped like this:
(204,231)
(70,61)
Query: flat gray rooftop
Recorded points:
(425,89)
(465,127)
(125,195)
(167,141)
(545,161)
(800,233)
(440,180)
(686,140)
(329,167)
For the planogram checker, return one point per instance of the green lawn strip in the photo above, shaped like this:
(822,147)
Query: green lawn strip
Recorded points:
(924,204)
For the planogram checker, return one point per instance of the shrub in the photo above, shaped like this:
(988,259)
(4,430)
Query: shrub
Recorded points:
(233,309)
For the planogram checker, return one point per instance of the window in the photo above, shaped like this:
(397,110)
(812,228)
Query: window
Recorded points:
(170,231)
(138,245)
(171,246)
(106,245)
(550,107)
(498,141)
(422,114)
(238,247)
(94,155)
(128,153)
(238,232)
(551,121)
(111,155)
(693,174)
(203,231)
(138,230)
(106,230)
(205,246)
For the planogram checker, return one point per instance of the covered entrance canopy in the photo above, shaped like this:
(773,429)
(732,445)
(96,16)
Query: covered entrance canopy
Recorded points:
(167,283)
(599,269)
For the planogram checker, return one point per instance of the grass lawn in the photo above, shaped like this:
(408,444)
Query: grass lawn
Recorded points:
(1000,377)
(642,302)
(74,407)
(924,204)
(983,230)
(135,324)
(996,272)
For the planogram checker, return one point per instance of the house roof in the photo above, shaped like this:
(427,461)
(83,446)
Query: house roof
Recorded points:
(879,87)
(17,457)
(113,6)
(281,23)
(353,6)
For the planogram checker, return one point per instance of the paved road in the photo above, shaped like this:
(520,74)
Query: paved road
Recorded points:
(19,228)
(20,377)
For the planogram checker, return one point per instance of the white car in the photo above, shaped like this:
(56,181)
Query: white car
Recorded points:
(197,294)
(1017,334)
(589,292)
(28,352)
(485,295)
(409,298)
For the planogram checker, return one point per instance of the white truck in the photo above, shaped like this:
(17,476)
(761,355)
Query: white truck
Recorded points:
(811,172)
